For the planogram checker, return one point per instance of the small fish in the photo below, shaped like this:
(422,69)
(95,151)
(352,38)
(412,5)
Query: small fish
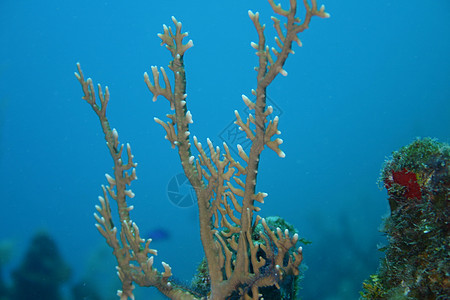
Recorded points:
(158,234)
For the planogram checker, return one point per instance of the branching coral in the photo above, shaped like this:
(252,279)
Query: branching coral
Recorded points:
(225,188)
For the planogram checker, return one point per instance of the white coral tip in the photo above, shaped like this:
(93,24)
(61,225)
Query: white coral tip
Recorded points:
(110,179)
(129,193)
(115,134)
(189,117)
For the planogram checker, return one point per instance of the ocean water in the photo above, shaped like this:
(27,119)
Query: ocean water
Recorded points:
(367,81)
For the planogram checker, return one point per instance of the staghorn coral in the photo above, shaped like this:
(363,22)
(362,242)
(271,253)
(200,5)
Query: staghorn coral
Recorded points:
(225,188)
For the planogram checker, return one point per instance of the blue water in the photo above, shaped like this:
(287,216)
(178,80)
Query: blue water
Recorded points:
(367,81)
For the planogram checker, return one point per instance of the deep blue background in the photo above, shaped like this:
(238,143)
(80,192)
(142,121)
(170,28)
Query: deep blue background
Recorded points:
(367,81)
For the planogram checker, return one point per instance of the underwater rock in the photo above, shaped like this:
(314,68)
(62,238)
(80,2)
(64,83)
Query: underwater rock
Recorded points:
(417,260)
(6,251)
(41,272)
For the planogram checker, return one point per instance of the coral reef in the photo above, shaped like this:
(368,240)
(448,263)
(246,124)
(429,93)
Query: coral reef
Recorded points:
(288,285)
(417,260)
(238,266)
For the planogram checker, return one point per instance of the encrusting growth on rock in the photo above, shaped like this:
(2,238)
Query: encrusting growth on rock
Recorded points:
(237,265)
(417,259)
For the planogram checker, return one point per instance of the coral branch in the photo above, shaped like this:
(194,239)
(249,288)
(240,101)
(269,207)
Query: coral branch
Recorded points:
(133,253)
(240,258)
